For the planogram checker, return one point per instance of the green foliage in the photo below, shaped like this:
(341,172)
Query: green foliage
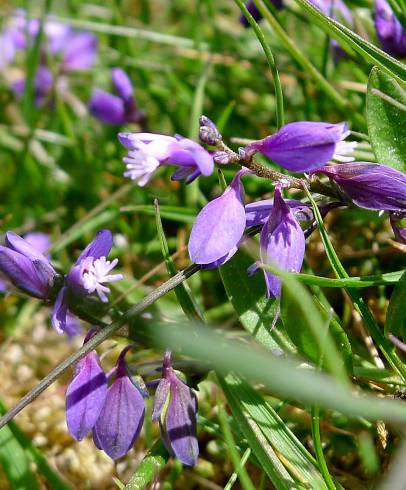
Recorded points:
(386,116)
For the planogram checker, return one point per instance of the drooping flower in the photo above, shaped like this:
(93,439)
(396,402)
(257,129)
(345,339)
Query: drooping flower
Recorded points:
(26,267)
(304,146)
(89,276)
(121,419)
(175,407)
(282,243)
(220,225)
(113,109)
(148,151)
(389,30)
(86,395)
(370,185)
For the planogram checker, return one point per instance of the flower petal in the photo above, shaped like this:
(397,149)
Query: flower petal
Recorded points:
(219,226)
(161,398)
(80,52)
(122,84)
(301,146)
(107,107)
(282,243)
(257,213)
(180,423)
(370,185)
(60,311)
(100,246)
(121,419)
(22,273)
(85,396)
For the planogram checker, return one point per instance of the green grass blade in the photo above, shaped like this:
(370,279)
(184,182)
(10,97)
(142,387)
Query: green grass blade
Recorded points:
(384,345)
(367,50)
(183,293)
(396,314)
(149,467)
(280,116)
(281,376)
(263,451)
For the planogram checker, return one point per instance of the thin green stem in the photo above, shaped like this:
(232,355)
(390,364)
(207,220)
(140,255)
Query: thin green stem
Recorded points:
(271,61)
(245,480)
(315,413)
(387,349)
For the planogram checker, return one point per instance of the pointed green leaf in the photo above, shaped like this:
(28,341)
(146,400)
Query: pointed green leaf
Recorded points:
(396,316)
(386,117)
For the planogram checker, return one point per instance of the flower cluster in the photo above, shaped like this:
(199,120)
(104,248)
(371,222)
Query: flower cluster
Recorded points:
(113,408)
(71,49)
(29,270)
(299,147)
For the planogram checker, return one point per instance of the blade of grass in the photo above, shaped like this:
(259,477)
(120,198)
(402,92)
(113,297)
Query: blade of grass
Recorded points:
(271,61)
(384,345)
(308,67)
(183,293)
(243,476)
(151,464)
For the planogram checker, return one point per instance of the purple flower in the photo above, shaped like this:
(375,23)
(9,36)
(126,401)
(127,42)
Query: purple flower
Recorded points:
(88,276)
(26,267)
(208,132)
(389,30)
(220,225)
(112,109)
(43,85)
(148,151)
(80,51)
(175,407)
(336,9)
(370,185)
(120,421)
(398,223)
(7,48)
(282,243)
(305,146)
(253,10)
(85,396)
(257,213)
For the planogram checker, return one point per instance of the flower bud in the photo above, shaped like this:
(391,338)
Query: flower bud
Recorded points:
(370,185)
(175,407)
(208,132)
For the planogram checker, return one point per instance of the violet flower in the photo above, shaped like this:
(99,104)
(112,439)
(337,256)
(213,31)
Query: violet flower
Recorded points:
(121,418)
(26,267)
(149,151)
(86,395)
(304,146)
(389,30)
(219,226)
(282,243)
(116,109)
(89,276)
(257,213)
(175,407)
(43,85)
(370,185)
(79,52)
